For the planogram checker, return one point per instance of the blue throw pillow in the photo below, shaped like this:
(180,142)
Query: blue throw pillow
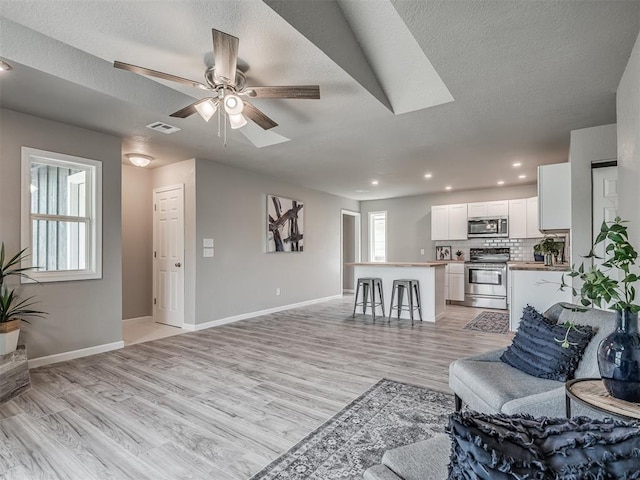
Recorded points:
(537,347)
(503,446)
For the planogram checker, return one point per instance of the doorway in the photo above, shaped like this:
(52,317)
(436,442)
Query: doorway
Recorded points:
(168,255)
(350,247)
(604,178)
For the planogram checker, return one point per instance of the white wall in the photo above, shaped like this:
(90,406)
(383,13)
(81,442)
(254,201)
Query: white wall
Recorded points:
(409,219)
(137,238)
(588,145)
(628,113)
(84,313)
(242,278)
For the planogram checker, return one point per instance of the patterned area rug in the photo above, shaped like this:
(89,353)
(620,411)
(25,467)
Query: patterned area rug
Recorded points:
(489,322)
(388,415)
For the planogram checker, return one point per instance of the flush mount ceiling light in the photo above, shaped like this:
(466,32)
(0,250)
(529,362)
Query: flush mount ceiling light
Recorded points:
(4,66)
(138,159)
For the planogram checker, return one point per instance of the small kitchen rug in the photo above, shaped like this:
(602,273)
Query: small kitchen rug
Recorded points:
(489,322)
(388,415)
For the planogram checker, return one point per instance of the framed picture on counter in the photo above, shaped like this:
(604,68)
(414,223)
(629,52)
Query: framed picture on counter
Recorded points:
(443,253)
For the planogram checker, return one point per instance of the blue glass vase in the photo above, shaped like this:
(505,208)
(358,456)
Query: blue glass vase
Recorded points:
(619,358)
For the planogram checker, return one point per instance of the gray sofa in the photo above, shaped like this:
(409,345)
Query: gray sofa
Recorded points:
(488,385)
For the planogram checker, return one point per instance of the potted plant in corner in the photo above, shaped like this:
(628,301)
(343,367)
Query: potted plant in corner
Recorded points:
(611,285)
(13,310)
(549,248)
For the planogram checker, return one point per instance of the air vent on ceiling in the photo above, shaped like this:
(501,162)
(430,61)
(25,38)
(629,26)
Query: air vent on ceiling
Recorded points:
(163,127)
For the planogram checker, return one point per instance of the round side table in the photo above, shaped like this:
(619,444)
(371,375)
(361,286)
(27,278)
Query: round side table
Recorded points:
(591,392)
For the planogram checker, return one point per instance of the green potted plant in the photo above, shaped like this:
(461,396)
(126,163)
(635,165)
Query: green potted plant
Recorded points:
(459,255)
(611,284)
(13,310)
(549,248)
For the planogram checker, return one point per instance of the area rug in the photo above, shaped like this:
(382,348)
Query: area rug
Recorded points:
(489,322)
(388,415)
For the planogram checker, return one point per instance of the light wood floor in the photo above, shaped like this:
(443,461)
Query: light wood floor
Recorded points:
(220,403)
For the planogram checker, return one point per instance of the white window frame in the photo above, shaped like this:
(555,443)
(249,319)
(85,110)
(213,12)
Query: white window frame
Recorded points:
(372,236)
(93,218)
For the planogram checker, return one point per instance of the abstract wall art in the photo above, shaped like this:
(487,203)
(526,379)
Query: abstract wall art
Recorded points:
(285,225)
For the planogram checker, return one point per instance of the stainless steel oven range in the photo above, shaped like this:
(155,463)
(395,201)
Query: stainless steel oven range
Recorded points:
(485,278)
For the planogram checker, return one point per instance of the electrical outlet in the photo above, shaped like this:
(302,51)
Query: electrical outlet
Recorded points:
(277,291)
(422,251)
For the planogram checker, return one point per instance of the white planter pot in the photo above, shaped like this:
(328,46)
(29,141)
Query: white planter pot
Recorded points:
(9,342)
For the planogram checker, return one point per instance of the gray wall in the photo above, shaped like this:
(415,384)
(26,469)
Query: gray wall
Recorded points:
(137,242)
(409,219)
(628,109)
(242,278)
(588,145)
(82,313)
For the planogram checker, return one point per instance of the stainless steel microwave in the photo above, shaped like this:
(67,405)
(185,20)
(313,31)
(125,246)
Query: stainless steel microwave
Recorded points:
(487,227)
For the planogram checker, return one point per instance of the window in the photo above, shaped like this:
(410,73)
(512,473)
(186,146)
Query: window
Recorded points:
(377,236)
(61,215)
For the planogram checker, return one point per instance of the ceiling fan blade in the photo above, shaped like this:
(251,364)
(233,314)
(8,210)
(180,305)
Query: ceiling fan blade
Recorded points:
(155,73)
(257,116)
(225,55)
(294,91)
(189,109)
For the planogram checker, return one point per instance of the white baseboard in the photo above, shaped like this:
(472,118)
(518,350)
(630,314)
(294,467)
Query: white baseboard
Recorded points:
(83,352)
(244,316)
(129,321)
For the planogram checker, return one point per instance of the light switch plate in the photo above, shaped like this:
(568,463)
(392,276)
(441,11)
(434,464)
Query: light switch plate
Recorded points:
(207,252)
(207,242)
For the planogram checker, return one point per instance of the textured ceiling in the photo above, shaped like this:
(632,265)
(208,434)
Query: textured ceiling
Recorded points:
(457,88)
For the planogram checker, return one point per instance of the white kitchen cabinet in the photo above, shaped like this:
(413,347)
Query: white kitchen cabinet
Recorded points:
(449,222)
(498,209)
(554,197)
(532,218)
(457,221)
(527,287)
(440,222)
(477,209)
(456,282)
(518,218)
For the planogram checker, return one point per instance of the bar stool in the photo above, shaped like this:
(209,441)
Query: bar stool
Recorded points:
(413,288)
(369,286)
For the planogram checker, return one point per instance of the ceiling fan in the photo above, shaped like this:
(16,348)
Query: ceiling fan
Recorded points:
(227,85)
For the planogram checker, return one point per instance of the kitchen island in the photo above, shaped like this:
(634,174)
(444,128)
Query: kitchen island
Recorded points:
(429,274)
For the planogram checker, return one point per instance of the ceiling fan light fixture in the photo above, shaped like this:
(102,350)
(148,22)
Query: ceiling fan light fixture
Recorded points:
(233,105)
(138,159)
(237,121)
(206,109)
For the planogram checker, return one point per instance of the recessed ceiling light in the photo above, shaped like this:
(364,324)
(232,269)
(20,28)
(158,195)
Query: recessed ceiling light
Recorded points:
(517,164)
(522,176)
(500,182)
(448,187)
(362,191)
(374,182)
(427,175)
(4,66)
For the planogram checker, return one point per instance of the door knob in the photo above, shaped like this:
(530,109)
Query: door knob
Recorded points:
(178,264)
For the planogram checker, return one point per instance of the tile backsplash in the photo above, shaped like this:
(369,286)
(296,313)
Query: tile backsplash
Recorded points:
(521,248)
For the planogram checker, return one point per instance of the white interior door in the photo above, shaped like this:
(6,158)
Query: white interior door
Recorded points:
(605,201)
(168,252)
